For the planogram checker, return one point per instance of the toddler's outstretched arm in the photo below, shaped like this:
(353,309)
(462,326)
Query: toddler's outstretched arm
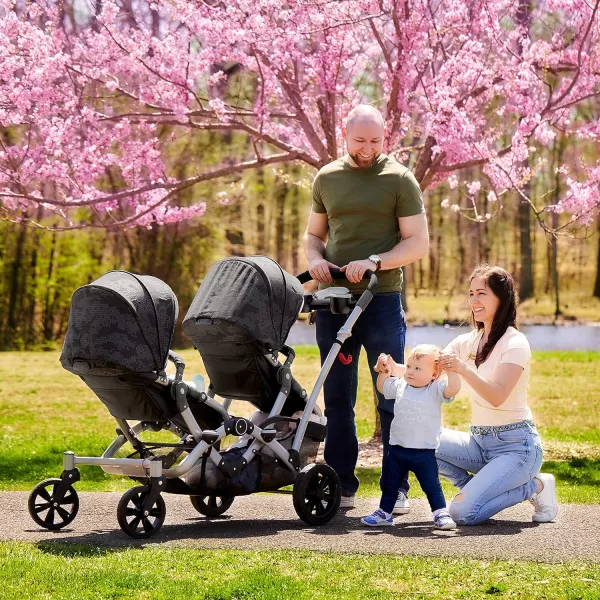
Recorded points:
(387,367)
(453,386)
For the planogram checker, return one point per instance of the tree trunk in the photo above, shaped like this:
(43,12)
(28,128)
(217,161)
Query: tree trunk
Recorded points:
(14,304)
(526,270)
(48,320)
(281,190)
(295,231)
(377,432)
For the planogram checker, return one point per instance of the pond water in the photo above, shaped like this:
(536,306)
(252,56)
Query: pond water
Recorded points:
(541,337)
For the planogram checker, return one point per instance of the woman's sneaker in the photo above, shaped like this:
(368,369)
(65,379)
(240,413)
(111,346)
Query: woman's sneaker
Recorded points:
(444,521)
(378,518)
(402,506)
(546,506)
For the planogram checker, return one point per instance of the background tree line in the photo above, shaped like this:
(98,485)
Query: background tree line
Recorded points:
(265,213)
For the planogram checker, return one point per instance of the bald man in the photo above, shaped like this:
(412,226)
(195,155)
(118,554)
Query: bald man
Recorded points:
(367,213)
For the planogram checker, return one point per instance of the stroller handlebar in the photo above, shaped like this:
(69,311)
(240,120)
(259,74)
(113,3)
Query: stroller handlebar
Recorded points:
(337,274)
(179,364)
(339,305)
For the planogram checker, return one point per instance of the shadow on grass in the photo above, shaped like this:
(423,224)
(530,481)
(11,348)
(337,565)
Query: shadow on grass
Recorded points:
(576,471)
(75,550)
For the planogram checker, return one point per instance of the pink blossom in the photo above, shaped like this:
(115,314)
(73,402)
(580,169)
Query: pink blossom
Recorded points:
(465,85)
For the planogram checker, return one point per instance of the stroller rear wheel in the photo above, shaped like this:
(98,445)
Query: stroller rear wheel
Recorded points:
(317,494)
(212,506)
(134,520)
(47,510)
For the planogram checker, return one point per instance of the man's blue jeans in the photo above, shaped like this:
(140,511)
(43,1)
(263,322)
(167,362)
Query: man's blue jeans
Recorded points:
(381,328)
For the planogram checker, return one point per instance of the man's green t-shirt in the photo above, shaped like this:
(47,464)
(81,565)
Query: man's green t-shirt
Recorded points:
(363,206)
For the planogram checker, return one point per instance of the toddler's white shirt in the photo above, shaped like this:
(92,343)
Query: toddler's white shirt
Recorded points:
(417,413)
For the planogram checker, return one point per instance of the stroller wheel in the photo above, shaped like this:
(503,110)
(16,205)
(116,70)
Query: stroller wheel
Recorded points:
(133,520)
(49,512)
(317,494)
(212,506)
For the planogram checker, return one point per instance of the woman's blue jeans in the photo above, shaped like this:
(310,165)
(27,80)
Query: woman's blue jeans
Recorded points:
(381,328)
(492,471)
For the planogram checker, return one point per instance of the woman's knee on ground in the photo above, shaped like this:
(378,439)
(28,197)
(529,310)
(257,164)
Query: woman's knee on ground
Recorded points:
(463,510)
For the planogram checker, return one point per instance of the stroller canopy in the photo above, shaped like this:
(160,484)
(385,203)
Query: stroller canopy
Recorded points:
(251,302)
(120,323)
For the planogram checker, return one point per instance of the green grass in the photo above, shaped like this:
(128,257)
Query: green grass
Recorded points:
(46,410)
(65,571)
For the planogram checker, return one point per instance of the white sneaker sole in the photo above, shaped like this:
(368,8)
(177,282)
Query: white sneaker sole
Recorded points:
(550,515)
(401,511)
(447,527)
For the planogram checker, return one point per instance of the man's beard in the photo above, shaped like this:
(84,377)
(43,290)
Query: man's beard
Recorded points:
(362,163)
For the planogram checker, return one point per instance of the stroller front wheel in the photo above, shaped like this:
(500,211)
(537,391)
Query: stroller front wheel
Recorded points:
(212,506)
(136,521)
(50,511)
(317,494)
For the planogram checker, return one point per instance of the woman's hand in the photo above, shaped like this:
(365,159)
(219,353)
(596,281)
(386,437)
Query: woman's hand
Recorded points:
(449,361)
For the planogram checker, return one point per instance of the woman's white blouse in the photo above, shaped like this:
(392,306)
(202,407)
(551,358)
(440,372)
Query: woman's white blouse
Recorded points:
(512,348)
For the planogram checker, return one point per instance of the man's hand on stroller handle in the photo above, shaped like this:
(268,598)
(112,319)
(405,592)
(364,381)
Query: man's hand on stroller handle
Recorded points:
(337,273)
(320,270)
(355,270)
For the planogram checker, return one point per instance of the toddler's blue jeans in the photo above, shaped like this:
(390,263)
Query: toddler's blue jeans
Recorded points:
(398,462)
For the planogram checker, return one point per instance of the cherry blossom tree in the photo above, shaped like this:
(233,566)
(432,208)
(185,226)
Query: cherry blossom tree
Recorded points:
(91,102)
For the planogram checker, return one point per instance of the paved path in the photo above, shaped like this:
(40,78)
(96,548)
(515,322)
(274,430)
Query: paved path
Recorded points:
(269,521)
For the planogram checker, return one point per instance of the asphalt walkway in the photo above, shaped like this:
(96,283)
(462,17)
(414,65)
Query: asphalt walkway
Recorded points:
(270,522)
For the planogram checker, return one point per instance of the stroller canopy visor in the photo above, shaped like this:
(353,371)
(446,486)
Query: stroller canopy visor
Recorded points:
(122,323)
(254,294)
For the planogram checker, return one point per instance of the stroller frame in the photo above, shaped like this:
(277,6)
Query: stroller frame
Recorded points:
(158,473)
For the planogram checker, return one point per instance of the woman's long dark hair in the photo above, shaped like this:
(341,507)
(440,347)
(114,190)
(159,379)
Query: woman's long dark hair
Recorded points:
(503,286)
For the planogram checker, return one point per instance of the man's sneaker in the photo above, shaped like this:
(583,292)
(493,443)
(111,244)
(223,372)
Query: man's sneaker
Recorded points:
(546,506)
(402,506)
(377,519)
(444,521)
(347,501)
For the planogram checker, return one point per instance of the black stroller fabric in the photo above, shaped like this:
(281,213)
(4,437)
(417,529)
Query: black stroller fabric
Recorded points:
(118,340)
(120,323)
(252,302)
(243,310)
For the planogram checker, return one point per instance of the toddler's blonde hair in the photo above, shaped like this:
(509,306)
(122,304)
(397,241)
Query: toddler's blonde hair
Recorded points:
(427,350)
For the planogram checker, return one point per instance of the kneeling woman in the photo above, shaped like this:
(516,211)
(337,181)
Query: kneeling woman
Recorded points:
(496,465)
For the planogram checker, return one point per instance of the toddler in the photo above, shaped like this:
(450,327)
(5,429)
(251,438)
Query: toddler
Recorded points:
(415,430)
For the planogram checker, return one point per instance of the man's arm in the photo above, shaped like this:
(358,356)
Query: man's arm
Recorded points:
(315,238)
(413,246)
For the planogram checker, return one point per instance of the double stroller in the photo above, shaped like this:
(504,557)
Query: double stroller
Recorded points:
(118,342)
